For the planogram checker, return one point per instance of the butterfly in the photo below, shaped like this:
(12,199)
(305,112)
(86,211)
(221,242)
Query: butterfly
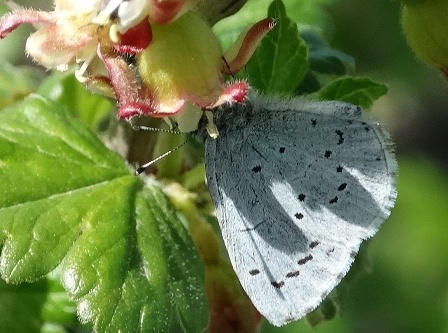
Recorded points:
(297,186)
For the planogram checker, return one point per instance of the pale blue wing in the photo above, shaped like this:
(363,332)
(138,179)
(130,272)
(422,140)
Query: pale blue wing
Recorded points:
(297,186)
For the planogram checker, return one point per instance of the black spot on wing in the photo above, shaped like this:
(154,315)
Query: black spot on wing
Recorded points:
(254,272)
(304,260)
(281,150)
(328,153)
(301,197)
(278,285)
(366,128)
(292,274)
(339,169)
(256,169)
(341,137)
(314,244)
(313,122)
(298,216)
(342,187)
(334,200)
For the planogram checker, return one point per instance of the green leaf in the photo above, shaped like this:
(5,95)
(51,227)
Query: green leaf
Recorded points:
(308,12)
(17,82)
(20,306)
(66,89)
(415,2)
(35,307)
(280,61)
(324,59)
(58,309)
(361,91)
(309,84)
(68,202)
(326,310)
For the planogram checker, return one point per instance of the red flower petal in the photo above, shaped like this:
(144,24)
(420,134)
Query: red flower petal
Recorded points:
(136,39)
(234,93)
(11,21)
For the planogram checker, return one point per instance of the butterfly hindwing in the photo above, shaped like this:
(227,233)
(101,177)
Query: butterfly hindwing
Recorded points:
(297,186)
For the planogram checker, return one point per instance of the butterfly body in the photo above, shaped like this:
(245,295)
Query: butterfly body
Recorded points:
(297,186)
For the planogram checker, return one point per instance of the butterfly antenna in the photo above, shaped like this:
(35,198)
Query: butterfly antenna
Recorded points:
(153,129)
(146,165)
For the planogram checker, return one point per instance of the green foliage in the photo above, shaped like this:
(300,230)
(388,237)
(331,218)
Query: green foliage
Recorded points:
(64,88)
(16,82)
(35,307)
(361,91)
(69,202)
(417,2)
(309,12)
(280,61)
(323,58)
(71,210)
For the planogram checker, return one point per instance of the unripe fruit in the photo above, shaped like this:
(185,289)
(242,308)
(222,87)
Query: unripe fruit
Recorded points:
(425,24)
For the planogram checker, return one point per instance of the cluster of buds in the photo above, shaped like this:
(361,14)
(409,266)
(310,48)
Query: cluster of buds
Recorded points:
(426,28)
(155,57)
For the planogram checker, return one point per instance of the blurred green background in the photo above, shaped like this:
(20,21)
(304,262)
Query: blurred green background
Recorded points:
(408,288)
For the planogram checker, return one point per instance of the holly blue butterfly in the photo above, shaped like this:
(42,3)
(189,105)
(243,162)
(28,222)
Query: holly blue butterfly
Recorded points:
(297,186)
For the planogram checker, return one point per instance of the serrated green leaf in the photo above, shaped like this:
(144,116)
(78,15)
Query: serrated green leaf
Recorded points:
(361,91)
(280,61)
(64,88)
(43,154)
(68,202)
